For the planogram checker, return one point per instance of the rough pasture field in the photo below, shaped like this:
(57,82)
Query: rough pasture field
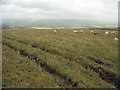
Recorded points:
(43,58)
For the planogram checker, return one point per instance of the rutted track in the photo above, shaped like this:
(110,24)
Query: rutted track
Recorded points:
(55,52)
(103,74)
(44,66)
(59,82)
(75,82)
(58,53)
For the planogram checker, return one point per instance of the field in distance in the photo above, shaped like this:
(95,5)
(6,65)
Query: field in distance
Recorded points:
(62,59)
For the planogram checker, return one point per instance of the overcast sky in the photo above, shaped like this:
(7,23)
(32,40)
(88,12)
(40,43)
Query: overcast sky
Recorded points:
(98,10)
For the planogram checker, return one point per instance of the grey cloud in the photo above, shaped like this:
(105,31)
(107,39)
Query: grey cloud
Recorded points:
(106,10)
(41,5)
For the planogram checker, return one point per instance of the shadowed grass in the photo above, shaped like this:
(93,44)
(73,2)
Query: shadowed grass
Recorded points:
(82,48)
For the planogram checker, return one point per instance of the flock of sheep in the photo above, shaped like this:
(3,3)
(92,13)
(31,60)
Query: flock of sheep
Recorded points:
(94,33)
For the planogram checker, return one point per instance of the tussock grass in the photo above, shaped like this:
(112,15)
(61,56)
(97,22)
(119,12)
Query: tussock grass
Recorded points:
(67,52)
(19,72)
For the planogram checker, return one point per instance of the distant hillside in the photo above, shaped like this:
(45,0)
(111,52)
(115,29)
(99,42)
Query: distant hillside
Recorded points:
(56,23)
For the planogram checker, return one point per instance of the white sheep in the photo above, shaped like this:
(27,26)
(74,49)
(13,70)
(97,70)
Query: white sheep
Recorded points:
(107,32)
(81,31)
(116,38)
(75,31)
(91,31)
(55,31)
(113,32)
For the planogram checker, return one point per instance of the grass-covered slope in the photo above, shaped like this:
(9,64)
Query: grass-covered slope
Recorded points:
(75,59)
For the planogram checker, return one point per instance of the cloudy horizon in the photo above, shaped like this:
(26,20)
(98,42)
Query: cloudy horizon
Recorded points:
(96,10)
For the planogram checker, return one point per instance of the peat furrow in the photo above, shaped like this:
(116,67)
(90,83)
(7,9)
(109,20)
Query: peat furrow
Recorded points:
(56,53)
(103,74)
(44,66)
(106,75)
(98,62)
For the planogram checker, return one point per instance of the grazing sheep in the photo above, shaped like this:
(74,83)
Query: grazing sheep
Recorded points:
(81,31)
(116,38)
(91,31)
(113,32)
(95,33)
(55,31)
(75,31)
(107,32)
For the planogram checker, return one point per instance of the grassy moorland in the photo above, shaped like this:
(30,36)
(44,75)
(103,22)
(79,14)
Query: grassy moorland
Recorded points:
(43,58)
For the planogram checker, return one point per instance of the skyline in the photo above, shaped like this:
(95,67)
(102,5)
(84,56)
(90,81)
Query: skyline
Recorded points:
(96,10)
